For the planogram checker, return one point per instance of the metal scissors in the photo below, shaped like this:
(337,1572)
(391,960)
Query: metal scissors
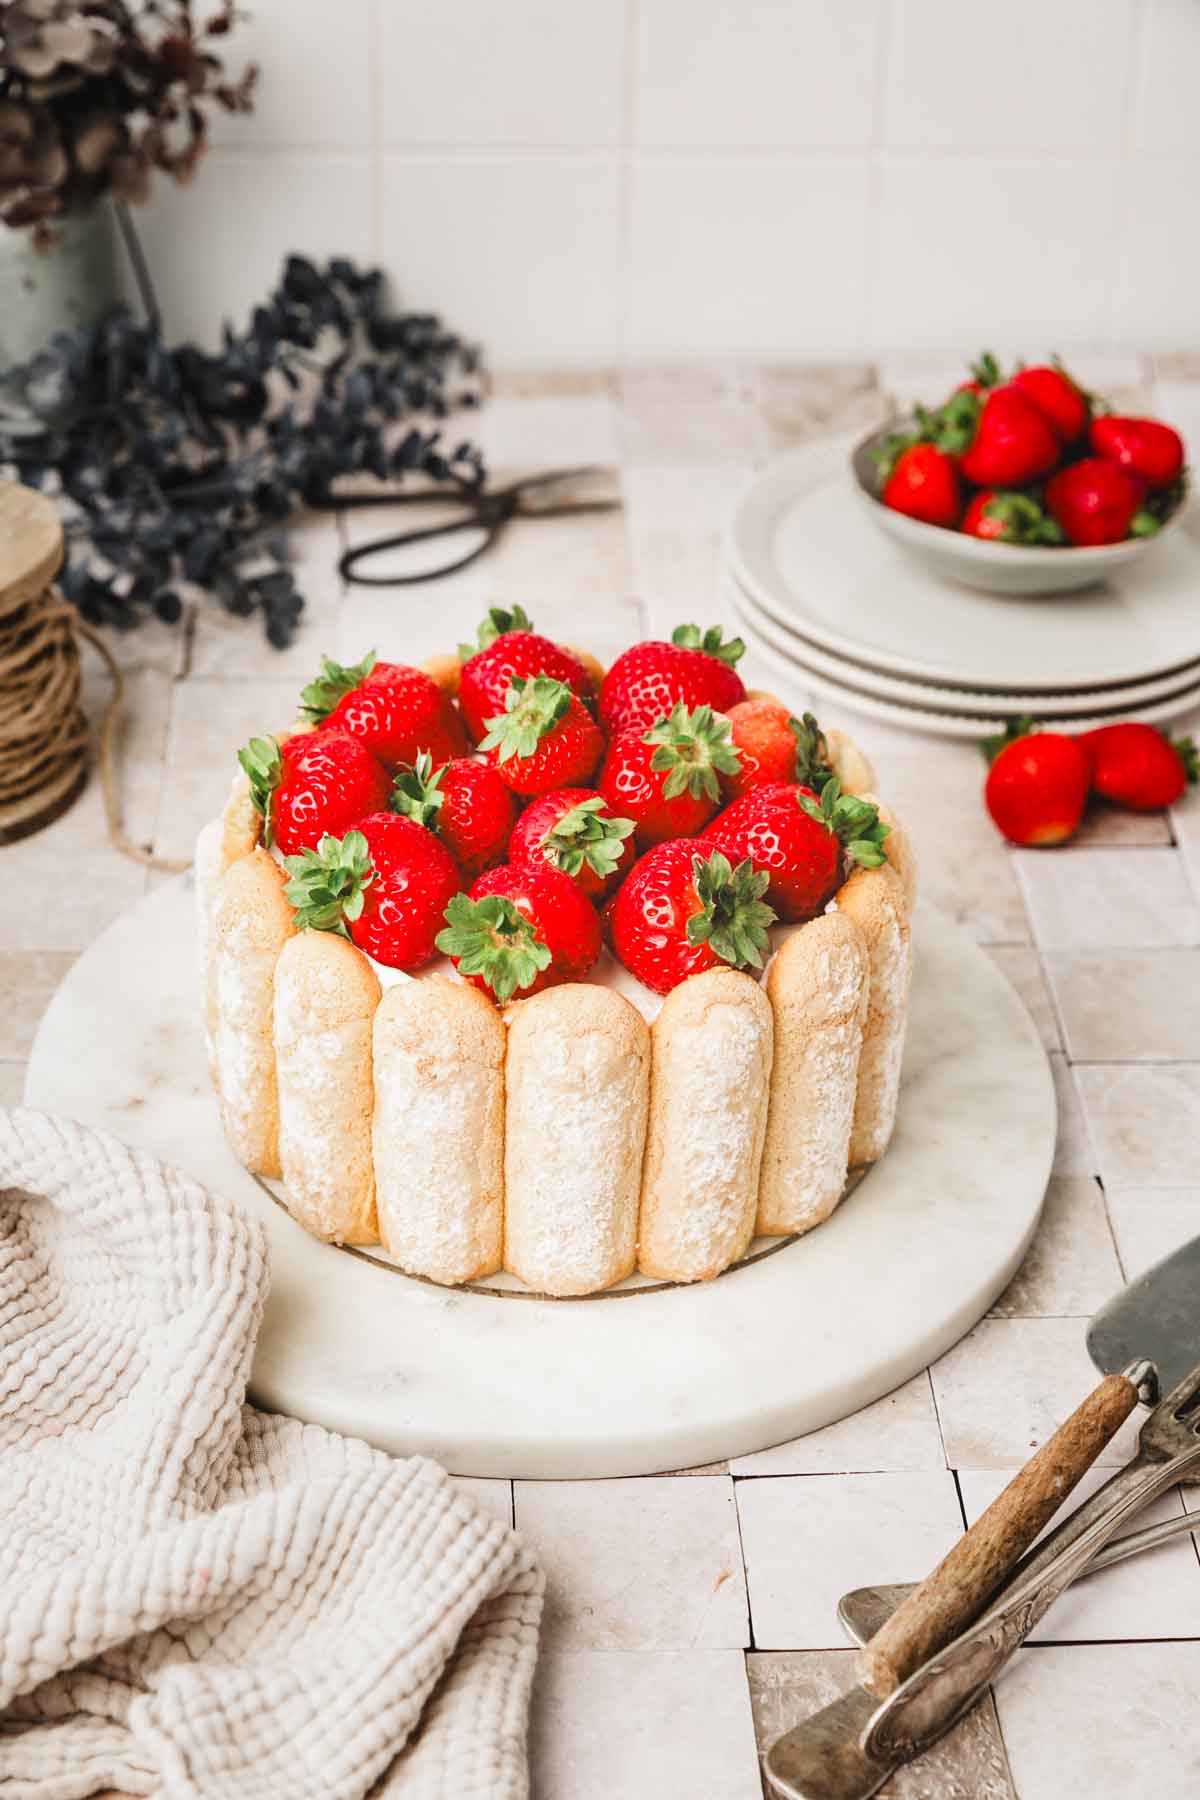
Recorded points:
(582,490)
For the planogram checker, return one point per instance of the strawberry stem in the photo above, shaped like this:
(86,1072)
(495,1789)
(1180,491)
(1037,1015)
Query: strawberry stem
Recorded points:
(499,621)
(733,916)
(263,767)
(690,637)
(854,823)
(532,710)
(335,681)
(691,748)
(491,938)
(1013,729)
(328,884)
(1185,750)
(587,834)
(417,791)
(812,767)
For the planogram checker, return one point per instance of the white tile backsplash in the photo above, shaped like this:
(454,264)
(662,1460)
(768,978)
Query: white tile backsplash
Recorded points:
(639,179)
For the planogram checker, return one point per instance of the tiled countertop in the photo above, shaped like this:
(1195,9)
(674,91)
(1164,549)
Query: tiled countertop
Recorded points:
(690,1616)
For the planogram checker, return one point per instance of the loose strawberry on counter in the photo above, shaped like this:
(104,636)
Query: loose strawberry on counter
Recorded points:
(923,484)
(1000,438)
(1138,766)
(648,680)
(314,784)
(1037,786)
(1099,502)
(544,739)
(575,831)
(471,809)
(800,841)
(509,647)
(395,710)
(666,778)
(1146,447)
(1010,518)
(385,885)
(684,909)
(521,928)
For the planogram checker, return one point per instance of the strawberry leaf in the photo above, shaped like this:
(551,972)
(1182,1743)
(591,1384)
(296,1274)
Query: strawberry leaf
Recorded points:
(533,709)
(691,748)
(586,834)
(1025,521)
(986,370)
(490,938)
(1013,729)
(328,884)
(417,791)
(335,681)
(733,919)
(263,767)
(854,822)
(499,621)
(690,637)
(1185,750)
(812,765)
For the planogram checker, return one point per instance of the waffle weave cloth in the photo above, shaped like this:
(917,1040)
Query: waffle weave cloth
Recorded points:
(198,1598)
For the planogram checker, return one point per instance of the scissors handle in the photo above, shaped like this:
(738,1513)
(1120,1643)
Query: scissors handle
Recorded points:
(481,512)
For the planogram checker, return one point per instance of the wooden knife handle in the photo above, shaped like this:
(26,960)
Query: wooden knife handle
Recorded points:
(947,1601)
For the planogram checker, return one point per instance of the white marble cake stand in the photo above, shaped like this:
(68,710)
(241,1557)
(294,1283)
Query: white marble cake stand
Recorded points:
(638,1381)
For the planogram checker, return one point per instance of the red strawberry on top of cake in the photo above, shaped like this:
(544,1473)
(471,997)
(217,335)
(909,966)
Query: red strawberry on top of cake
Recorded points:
(800,841)
(395,710)
(544,739)
(649,680)
(472,810)
(314,783)
(509,647)
(385,885)
(666,778)
(520,929)
(683,909)
(575,830)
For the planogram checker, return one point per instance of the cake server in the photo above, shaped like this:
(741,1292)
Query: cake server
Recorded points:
(927,1664)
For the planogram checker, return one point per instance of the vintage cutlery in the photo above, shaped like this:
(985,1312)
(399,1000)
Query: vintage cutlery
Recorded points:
(928,1664)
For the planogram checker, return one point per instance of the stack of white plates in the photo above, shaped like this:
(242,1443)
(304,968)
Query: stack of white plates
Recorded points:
(824,598)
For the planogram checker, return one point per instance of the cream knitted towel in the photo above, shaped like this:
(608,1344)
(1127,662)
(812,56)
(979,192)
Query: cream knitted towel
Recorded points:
(197,1598)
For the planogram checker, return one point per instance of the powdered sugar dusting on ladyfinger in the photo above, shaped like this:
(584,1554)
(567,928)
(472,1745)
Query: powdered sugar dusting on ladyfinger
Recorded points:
(874,899)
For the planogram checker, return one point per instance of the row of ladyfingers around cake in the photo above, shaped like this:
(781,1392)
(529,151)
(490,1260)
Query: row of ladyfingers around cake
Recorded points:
(566,1141)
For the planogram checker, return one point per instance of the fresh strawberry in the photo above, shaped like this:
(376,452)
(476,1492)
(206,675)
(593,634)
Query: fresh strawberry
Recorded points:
(800,842)
(395,710)
(696,669)
(1009,518)
(773,746)
(985,373)
(576,832)
(1145,447)
(923,484)
(1139,766)
(385,885)
(508,646)
(684,909)
(465,801)
(545,739)
(1099,502)
(665,779)
(522,928)
(1061,400)
(1037,786)
(1000,438)
(318,783)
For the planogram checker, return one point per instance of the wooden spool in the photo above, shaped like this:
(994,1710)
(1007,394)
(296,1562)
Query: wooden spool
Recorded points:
(42,770)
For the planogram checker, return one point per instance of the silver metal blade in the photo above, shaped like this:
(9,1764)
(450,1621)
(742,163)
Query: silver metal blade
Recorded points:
(1157,1316)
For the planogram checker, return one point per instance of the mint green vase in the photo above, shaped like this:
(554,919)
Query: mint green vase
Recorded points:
(71,284)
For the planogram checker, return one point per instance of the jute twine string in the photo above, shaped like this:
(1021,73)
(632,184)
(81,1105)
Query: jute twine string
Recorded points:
(44,729)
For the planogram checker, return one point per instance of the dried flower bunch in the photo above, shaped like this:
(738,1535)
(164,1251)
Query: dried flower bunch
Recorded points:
(95,94)
(173,466)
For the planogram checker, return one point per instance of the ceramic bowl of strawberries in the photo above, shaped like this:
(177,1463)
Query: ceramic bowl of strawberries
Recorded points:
(1023,484)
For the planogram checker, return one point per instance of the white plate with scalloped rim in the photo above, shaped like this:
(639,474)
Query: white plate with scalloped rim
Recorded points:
(799,545)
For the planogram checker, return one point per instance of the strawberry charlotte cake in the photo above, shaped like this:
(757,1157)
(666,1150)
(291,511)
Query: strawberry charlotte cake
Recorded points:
(513,963)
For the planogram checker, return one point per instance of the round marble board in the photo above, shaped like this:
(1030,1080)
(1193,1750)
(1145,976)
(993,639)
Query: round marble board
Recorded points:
(639,1380)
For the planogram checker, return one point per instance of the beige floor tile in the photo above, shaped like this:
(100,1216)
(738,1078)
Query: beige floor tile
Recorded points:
(28,979)
(637,1565)
(1103,1722)
(1022,966)
(808,1539)
(1009,1385)
(1154,1594)
(970,1764)
(799,401)
(1149,1223)
(642,1725)
(689,415)
(898,1432)
(1074,1152)
(210,722)
(1128,1005)
(1144,1122)
(12,1083)
(1104,825)
(81,882)
(531,432)
(1108,899)
(1071,1267)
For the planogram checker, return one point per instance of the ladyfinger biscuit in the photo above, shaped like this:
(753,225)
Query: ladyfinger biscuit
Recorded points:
(251,925)
(446,671)
(818,985)
(852,768)
(874,899)
(439,1129)
(592,664)
(208,866)
(577,1076)
(326,993)
(898,847)
(710,1077)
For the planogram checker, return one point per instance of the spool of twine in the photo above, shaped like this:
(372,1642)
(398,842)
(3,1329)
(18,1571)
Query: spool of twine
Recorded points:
(44,733)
